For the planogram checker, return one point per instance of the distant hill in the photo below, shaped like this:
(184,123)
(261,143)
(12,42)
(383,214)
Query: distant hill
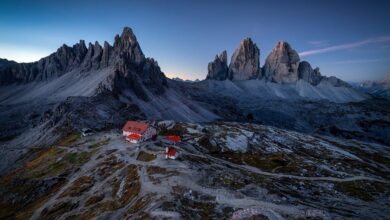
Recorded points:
(379,88)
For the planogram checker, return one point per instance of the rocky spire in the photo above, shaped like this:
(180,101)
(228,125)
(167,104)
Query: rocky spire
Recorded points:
(127,46)
(245,63)
(93,56)
(281,66)
(79,50)
(106,54)
(218,69)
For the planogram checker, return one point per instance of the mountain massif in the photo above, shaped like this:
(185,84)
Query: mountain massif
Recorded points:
(125,63)
(282,66)
(246,131)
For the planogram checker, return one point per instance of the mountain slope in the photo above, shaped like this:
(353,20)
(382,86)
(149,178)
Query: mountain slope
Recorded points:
(76,87)
(248,89)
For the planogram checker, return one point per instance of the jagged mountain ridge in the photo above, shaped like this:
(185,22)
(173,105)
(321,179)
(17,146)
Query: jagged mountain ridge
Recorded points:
(124,66)
(281,66)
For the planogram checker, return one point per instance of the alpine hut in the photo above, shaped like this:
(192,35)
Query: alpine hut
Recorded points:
(170,153)
(136,132)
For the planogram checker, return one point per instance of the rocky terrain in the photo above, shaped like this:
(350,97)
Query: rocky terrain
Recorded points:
(224,171)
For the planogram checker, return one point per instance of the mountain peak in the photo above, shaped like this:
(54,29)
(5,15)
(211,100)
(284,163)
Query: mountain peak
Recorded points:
(245,62)
(281,65)
(282,44)
(127,46)
(128,35)
(246,40)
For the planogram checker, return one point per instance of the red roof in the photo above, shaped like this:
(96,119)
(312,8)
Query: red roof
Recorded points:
(134,136)
(135,127)
(173,138)
(171,151)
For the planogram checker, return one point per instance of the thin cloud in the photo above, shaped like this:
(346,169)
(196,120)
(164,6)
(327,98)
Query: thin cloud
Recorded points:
(359,61)
(319,43)
(345,46)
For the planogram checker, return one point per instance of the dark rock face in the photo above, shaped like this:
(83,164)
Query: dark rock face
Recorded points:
(245,62)
(281,66)
(127,47)
(306,72)
(314,77)
(4,63)
(218,69)
(107,49)
(141,79)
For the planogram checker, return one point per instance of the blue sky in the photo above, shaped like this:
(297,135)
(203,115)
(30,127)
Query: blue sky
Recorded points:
(348,39)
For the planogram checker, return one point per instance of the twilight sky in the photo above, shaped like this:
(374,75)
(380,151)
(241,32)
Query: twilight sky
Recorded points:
(349,39)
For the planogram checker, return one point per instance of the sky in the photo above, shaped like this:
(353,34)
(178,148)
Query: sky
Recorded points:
(349,39)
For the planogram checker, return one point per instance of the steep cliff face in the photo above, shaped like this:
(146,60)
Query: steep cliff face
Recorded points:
(306,72)
(125,63)
(218,69)
(126,47)
(245,62)
(281,66)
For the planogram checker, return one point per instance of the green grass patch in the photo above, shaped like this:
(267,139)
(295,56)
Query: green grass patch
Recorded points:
(78,158)
(143,156)
(70,139)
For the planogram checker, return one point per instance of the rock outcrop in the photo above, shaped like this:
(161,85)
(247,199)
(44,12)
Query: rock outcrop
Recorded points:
(334,81)
(306,73)
(314,77)
(218,69)
(281,66)
(245,62)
